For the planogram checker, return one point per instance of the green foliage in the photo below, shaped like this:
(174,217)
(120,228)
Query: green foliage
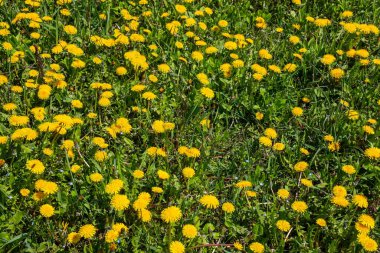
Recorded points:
(223,124)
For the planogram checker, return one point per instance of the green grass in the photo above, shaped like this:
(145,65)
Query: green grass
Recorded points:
(230,151)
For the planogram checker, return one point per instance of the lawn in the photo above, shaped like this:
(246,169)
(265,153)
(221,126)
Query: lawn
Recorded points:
(189,126)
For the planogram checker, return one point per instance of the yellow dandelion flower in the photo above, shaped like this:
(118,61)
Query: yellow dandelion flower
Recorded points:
(349,169)
(340,201)
(163,175)
(265,141)
(362,229)
(73,237)
(337,73)
(207,92)
(120,202)
(270,133)
(360,200)
(321,222)
(114,186)
(35,166)
(111,236)
(283,193)
(367,221)
(369,244)
(256,247)
(299,206)
(372,153)
(188,172)
(297,111)
(189,231)
(283,225)
(301,166)
(171,214)
(176,247)
(87,231)
(96,177)
(24,192)
(47,210)
(228,207)
(243,184)
(209,201)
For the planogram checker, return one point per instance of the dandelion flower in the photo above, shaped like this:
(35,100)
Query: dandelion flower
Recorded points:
(361,228)
(353,115)
(149,95)
(87,231)
(73,237)
(120,202)
(304,151)
(339,191)
(297,111)
(306,182)
(283,225)
(367,221)
(138,174)
(328,59)
(321,222)
(96,177)
(111,236)
(243,184)
(349,169)
(256,247)
(265,141)
(121,71)
(24,192)
(360,200)
(114,186)
(301,166)
(119,227)
(334,146)
(368,130)
(189,231)
(259,115)
(340,201)
(207,92)
(230,45)
(228,207)
(197,56)
(35,166)
(368,243)
(156,189)
(158,126)
(171,214)
(47,210)
(251,193)
(164,68)
(145,215)
(278,146)
(188,172)
(283,193)
(337,73)
(163,174)
(176,247)
(70,29)
(299,206)
(101,155)
(49,187)
(270,133)
(238,246)
(209,201)
(372,153)
(296,2)
(294,39)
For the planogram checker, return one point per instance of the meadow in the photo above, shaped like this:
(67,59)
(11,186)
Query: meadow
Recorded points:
(189,126)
